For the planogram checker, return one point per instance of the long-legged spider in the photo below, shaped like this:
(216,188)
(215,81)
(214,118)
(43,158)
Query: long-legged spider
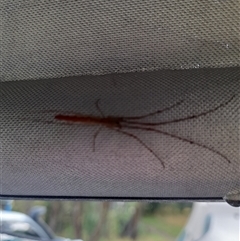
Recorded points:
(120,124)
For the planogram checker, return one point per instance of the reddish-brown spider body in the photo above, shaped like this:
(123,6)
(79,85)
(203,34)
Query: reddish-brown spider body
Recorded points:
(110,122)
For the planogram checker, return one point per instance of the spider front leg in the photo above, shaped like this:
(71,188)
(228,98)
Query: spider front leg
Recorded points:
(95,137)
(127,121)
(99,109)
(179,138)
(142,143)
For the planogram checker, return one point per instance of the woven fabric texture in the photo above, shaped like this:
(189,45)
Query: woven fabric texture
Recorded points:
(73,72)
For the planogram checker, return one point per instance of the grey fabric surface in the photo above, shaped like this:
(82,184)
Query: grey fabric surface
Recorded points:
(135,57)
(41,156)
(45,39)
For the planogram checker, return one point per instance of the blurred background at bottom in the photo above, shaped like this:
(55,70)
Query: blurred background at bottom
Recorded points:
(118,221)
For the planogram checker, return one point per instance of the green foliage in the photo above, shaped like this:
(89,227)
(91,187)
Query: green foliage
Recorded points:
(123,212)
(91,219)
(151,208)
(165,208)
(160,220)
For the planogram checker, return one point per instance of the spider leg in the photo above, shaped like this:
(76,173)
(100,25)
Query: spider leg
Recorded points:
(95,136)
(181,119)
(142,143)
(37,121)
(153,113)
(51,122)
(179,138)
(98,108)
(68,112)
(58,111)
